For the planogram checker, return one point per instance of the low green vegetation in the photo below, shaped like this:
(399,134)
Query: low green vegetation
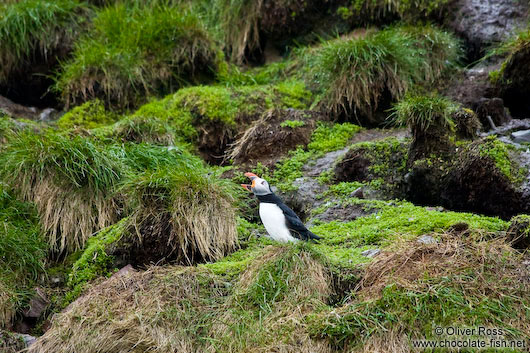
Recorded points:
(22,254)
(33,30)
(135,50)
(325,138)
(353,73)
(94,261)
(502,155)
(369,11)
(89,115)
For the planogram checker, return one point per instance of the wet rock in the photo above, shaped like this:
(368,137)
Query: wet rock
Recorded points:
(522,136)
(324,163)
(358,193)
(516,83)
(37,304)
(483,22)
(427,239)
(371,252)
(344,213)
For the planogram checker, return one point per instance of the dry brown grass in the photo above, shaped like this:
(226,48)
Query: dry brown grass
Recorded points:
(69,216)
(7,306)
(186,309)
(183,214)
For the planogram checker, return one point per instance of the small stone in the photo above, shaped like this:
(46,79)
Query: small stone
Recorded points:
(359,193)
(37,304)
(412,219)
(28,339)
(371,252)
(427,239)
(521,136)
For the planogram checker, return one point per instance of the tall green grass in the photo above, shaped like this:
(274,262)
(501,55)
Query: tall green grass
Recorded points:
(135,50)
(31,29)
(355,75)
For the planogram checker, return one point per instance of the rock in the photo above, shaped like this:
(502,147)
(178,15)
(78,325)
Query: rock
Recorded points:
(28,339)
(371,252)
(484,22)
(521,136)
(344,213)
(494,108)
(358,193)
(427,239)
(304,198)
(37,304)
(324,163)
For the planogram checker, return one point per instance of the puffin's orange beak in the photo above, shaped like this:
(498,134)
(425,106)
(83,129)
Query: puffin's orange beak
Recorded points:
(252,177)
(247,187)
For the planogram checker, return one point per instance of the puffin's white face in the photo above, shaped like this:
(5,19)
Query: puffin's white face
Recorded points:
(259,186)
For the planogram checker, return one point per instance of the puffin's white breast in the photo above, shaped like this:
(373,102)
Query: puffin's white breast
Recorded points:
(274,221)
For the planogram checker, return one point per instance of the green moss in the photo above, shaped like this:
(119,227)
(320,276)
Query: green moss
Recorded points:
(94,261)
(392,220)
(90,115)
(369,11)
(500,152)
(191,108)
(293,124)
(325,138)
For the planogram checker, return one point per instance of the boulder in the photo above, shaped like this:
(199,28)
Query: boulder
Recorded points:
(37,304)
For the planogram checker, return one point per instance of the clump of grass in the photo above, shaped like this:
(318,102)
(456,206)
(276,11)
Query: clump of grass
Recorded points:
(501,154)
(430,119)
(137,50)
(144,129)
(61,174)
(22,255)
(33,30)
(355,73)
(89,115)
(186,214)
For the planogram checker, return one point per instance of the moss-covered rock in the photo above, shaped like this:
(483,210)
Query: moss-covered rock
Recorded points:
(89,115)
(485,178)
(210,117)
(519,232)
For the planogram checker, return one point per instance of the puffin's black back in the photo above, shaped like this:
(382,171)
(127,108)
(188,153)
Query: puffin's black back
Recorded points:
(293,222)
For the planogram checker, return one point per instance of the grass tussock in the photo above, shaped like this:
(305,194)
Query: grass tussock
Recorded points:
(141,129)
(33,30)
(357,75)
(136,50)
(190,309)
(185,213)
(413,287)
(60,174)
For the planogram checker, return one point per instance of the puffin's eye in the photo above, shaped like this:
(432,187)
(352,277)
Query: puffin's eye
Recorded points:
(263,182)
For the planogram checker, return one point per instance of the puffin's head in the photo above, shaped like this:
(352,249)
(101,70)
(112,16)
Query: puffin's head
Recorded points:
(259,186)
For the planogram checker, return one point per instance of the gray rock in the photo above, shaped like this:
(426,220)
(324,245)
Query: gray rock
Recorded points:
(521,136)
(37,304)
(28,339)
(371,252)
(427,239)
(359,193)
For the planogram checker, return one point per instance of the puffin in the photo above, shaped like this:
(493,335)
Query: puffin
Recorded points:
(280,221)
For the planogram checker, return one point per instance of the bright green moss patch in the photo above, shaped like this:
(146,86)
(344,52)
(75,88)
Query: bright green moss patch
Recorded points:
(89,115)
(366,11)
(223,108)
(393,220)
(135,50)
(293,124)
(31,29)
(94,261)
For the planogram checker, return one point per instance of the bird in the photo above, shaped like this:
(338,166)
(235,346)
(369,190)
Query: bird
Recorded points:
(281,223)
